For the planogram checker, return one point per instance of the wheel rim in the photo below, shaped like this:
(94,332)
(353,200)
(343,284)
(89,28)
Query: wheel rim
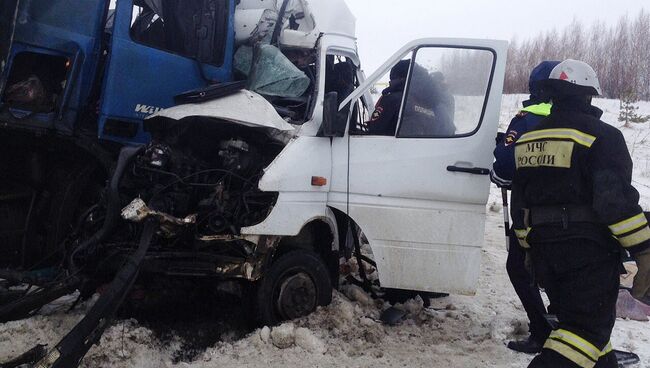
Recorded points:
(297,296)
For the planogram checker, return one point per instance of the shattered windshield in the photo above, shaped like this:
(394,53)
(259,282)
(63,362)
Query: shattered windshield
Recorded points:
(286,78)
(272,73)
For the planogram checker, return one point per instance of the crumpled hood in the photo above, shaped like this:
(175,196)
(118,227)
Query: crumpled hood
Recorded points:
(244,107)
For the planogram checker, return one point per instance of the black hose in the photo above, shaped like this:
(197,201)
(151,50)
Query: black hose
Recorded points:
(31,356)
(74,346)
(23,307)
(114,206)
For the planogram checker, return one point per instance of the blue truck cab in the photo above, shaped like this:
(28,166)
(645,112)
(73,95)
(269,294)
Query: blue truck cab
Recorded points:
(77,78)
(126,61)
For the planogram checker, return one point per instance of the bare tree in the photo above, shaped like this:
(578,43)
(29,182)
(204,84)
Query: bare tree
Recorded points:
(620,54)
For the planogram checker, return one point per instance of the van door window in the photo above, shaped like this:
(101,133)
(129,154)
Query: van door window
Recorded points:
(447,92)
(340,77)
(360,118)
(190,28)
(389,94)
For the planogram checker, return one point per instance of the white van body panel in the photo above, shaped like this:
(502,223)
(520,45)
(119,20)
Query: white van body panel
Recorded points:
(290,174)
(305,156)
(425,224)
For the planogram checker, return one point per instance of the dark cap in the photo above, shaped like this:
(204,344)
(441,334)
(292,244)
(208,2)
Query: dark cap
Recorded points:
(400,70)
(541,73)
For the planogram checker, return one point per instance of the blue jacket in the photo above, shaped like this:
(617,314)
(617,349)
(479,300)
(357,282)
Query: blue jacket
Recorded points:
(528,118)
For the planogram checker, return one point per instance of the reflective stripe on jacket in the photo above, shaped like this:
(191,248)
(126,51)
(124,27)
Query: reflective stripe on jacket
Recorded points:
(573,158)
(529,117)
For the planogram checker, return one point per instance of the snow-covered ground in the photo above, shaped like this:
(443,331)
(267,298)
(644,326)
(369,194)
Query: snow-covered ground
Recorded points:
(456,332)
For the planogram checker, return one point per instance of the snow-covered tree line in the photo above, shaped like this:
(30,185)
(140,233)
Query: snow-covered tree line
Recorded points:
(619,53)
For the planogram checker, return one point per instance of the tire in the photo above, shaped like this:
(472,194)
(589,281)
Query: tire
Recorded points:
(73,190)
(294,286)
(13,214)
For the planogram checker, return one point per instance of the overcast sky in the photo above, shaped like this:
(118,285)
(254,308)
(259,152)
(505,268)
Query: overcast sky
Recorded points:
(385,25)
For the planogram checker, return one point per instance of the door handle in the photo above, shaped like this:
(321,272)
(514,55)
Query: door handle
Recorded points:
(469,170)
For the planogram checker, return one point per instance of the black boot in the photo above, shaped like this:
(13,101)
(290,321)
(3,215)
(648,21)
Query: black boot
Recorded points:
(528,346)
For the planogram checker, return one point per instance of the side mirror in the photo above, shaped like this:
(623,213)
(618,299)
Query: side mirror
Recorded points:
(332,126)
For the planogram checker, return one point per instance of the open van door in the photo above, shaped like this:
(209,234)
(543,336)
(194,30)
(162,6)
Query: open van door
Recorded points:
(8,9)
(419,194)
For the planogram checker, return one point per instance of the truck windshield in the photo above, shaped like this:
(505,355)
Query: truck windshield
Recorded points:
(62,14)
(7,11)
(184,27)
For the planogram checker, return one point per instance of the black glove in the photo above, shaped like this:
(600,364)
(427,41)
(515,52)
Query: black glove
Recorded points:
(501,138)
(528,263)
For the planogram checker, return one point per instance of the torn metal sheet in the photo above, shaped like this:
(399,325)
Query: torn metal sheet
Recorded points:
(138,211)
(245,107)
(254,25)
(305,21)
(332,16)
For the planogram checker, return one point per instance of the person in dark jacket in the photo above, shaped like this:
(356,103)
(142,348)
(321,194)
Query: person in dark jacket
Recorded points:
(573,210)
(536,108)
(429,109)
(384,119)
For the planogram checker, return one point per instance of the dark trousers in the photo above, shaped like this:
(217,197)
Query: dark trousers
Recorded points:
(581,278)
(527,291)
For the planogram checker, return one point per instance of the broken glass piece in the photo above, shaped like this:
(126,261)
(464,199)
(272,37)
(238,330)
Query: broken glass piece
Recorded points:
(244,60)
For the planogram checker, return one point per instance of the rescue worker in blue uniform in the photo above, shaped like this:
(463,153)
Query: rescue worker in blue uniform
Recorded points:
(536,108)
(574,209)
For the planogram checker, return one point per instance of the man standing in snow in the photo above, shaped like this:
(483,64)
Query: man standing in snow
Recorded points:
(535,109)
(573,209)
